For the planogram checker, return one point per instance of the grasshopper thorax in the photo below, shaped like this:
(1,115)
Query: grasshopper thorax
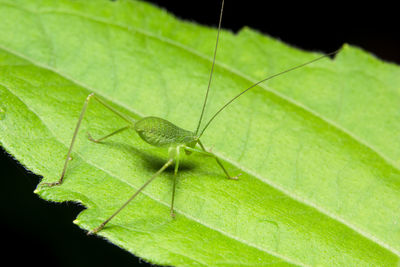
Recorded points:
(159,132)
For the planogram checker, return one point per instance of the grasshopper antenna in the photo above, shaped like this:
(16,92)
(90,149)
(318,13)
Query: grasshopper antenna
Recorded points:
(212,67)
(257,83)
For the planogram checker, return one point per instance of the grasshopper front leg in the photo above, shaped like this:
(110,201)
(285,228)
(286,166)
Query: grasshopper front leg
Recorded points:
(210,154)
(178,148)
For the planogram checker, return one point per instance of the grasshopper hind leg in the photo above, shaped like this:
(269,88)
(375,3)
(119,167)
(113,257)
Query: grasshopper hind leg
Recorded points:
(60,180)
(78,125)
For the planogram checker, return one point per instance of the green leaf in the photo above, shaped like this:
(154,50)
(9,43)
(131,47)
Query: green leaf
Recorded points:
(318,147)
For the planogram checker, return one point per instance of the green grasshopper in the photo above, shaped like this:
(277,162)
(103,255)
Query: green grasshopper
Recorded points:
(162,133)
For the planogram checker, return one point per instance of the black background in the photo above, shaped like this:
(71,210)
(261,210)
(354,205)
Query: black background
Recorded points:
(36,231)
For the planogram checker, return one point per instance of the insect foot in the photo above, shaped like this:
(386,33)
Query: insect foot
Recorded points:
(51,184)
(173,215)
(95,230)
(235,177)
(91,138)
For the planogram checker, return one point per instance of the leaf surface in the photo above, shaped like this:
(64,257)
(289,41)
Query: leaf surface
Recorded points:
(318,147)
